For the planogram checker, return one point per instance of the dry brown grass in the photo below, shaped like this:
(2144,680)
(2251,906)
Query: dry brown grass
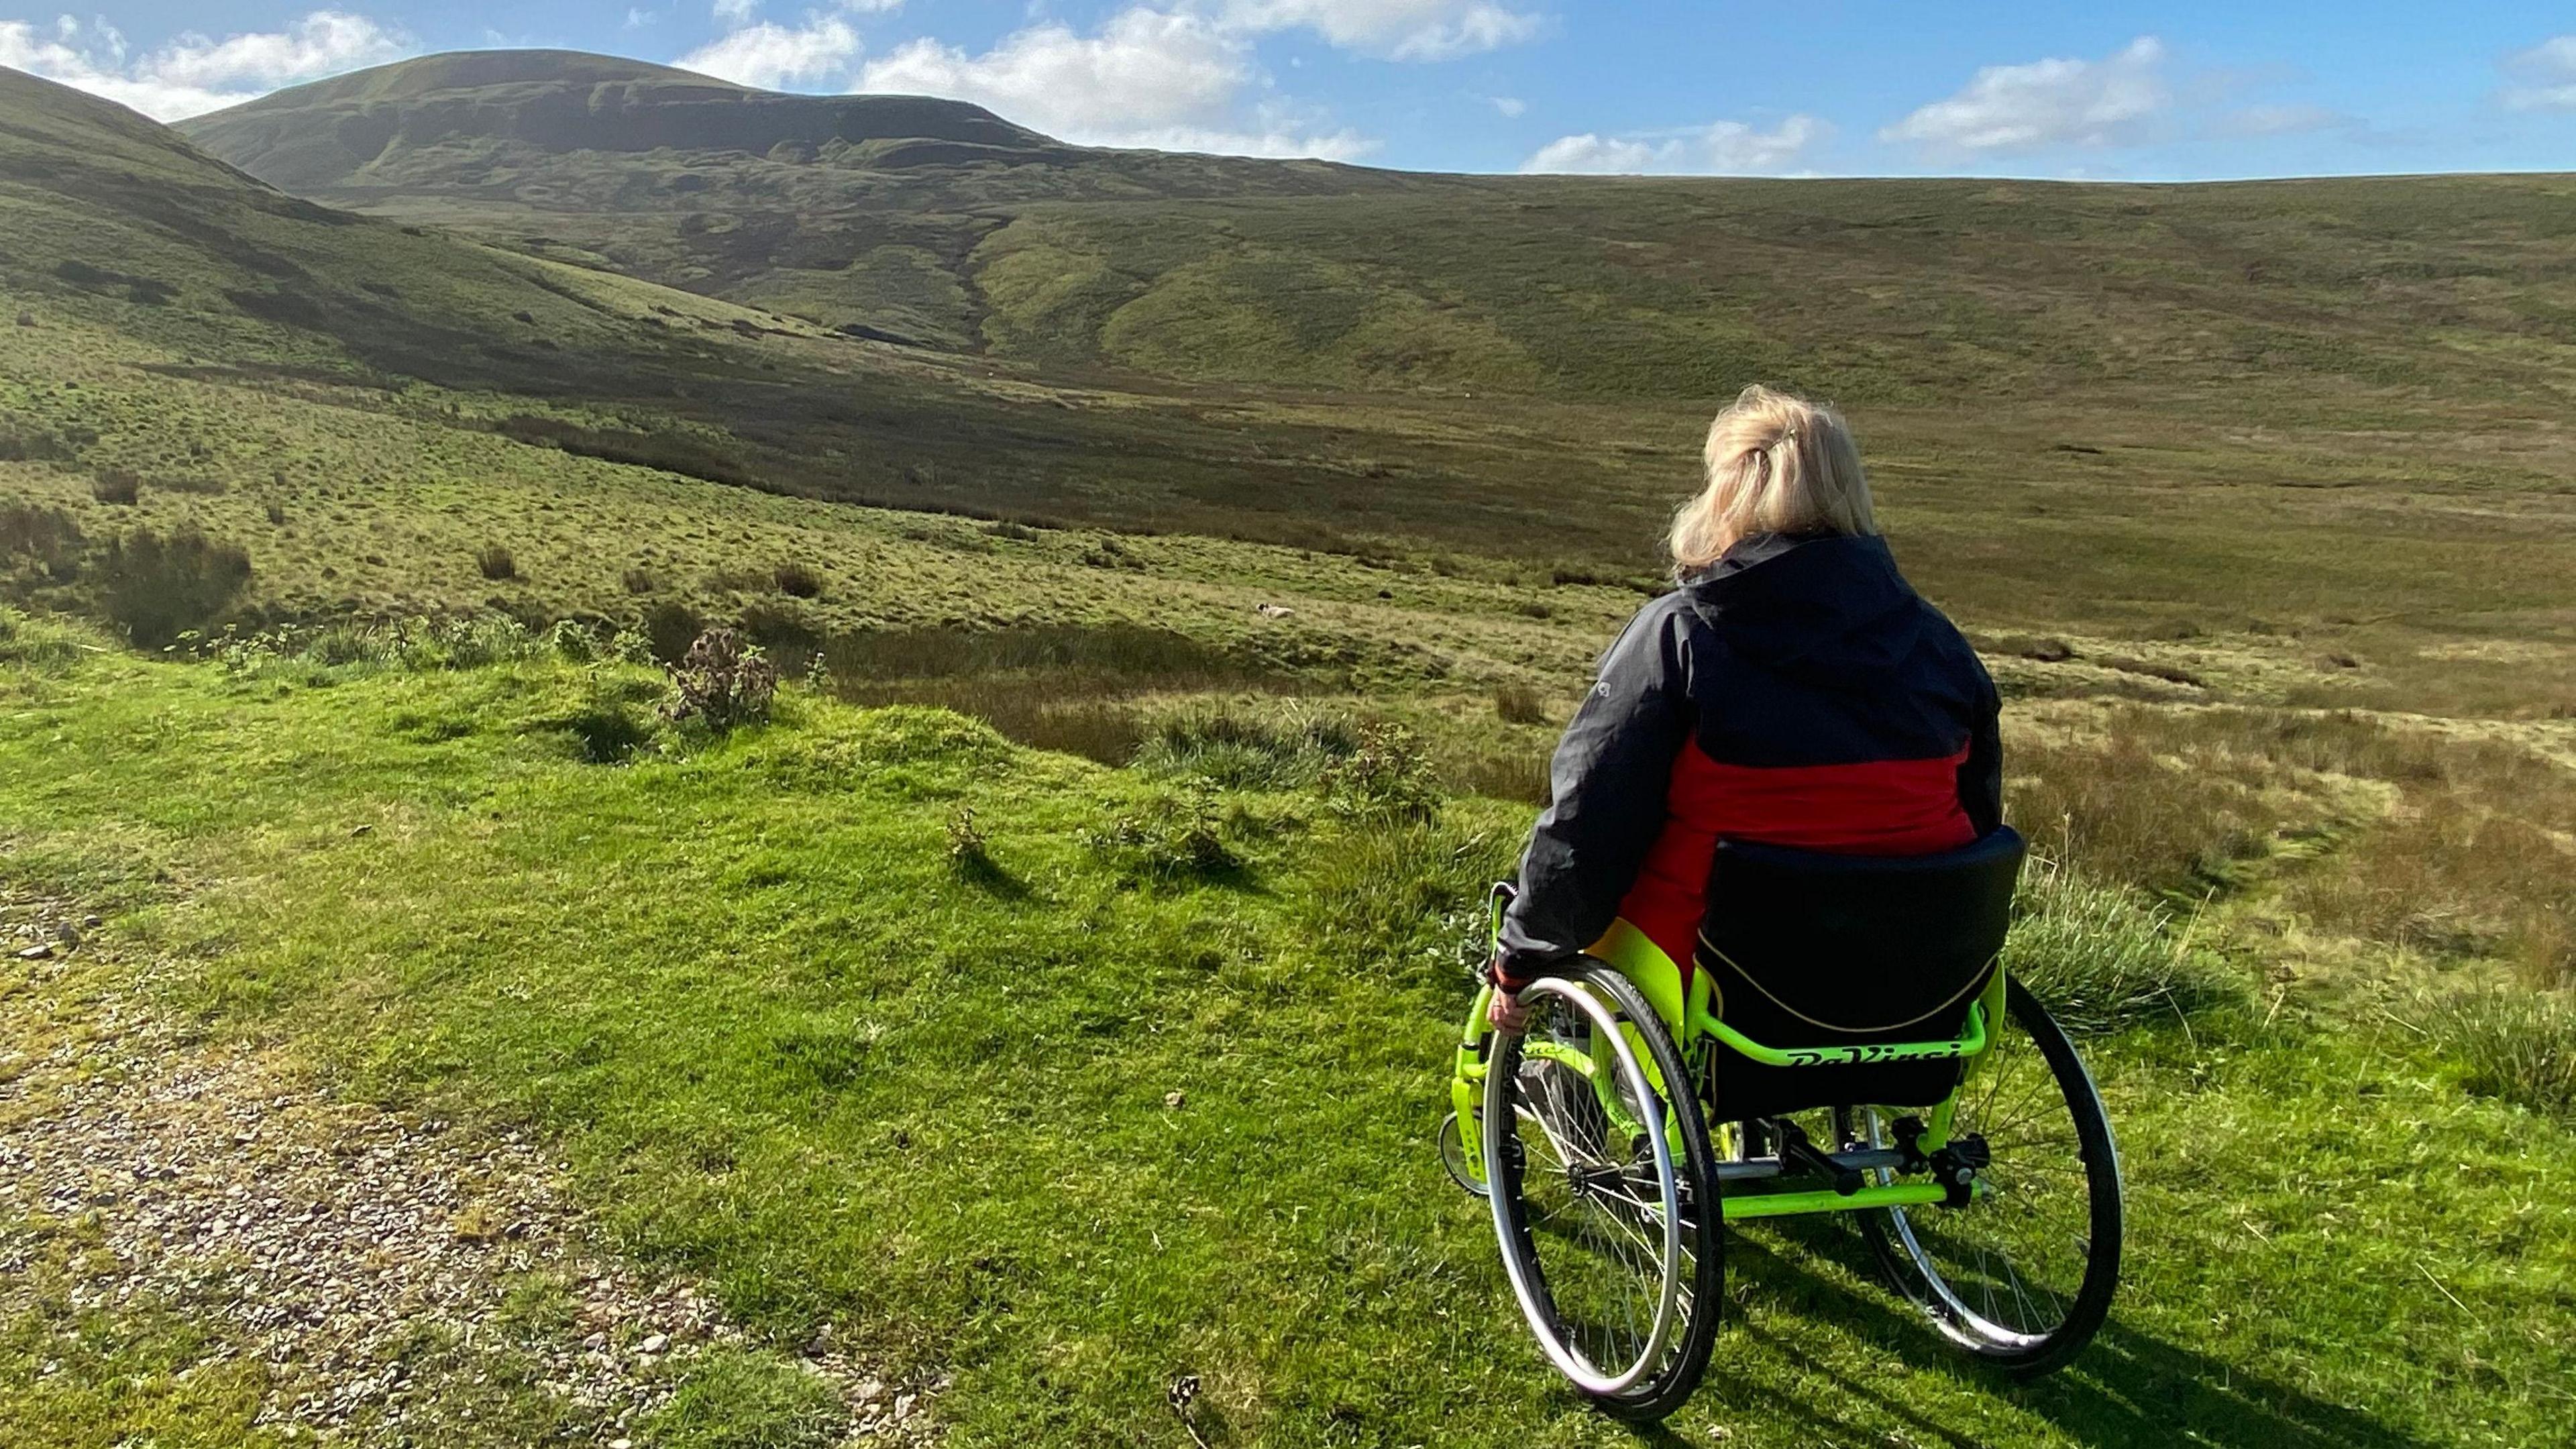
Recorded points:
(2392,832)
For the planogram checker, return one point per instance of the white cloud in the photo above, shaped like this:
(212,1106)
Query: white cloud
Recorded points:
(1724,148)
(2008,108)
(637,17)
(194,74)
(1170,80)
(772,56)
(1396,29)
(2544,77)
(2281,120)
(735,12)
(1510,106)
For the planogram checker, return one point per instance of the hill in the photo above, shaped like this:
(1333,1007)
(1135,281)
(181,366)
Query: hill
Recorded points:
(225,335)
(115,220)
(365,128)
(1295,273)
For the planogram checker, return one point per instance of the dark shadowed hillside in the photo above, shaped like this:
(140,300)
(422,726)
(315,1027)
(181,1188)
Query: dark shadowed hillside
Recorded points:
(345,131)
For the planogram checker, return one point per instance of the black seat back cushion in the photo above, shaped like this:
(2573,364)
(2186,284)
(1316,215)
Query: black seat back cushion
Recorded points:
(1805,948)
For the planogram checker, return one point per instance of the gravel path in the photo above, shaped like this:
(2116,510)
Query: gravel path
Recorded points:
(330,1240)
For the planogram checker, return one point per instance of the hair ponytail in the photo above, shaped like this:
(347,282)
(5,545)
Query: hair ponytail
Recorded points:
(1776,463)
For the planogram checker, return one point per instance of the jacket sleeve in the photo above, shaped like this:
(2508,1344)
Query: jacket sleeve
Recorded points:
(1981,775)
(1606,794)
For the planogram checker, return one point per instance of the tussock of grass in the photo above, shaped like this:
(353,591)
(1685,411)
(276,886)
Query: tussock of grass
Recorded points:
(2519,1046)
(41,646)
(1241,746)
(1409,897)
(2101,959)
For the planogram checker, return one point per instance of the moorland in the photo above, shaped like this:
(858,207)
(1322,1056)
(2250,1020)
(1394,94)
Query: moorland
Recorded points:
(1178,567)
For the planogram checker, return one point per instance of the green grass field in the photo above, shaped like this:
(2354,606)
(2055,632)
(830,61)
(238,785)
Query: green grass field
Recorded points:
(1209,472)
(788,1043)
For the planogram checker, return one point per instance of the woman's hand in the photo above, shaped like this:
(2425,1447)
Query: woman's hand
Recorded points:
(1506,1014)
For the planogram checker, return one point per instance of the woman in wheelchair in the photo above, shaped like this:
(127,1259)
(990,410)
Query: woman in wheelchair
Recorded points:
(1751,965)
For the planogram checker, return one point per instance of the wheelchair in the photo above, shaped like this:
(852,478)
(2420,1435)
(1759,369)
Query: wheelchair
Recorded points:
(1848,1042)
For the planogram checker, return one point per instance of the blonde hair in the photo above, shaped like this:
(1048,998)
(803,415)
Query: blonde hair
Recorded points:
(1777,463)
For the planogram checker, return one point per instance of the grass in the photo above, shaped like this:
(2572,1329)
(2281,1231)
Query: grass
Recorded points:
(786,1042)
(2103,961)
(1055,989)
(2513,1045)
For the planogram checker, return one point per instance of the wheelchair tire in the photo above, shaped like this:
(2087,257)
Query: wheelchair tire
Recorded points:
(1611,1238)
(2055,1200)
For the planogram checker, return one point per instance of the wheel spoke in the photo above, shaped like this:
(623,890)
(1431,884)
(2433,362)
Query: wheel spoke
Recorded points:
(1598,1248)
(2007,1274)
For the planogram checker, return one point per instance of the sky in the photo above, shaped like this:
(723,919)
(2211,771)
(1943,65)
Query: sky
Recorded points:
(2106,90)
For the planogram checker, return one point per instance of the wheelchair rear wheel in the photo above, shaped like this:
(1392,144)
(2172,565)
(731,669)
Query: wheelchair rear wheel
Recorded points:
(2022,1276)
(1604,1192)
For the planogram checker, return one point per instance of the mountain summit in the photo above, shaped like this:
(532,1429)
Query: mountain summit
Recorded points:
(342,131)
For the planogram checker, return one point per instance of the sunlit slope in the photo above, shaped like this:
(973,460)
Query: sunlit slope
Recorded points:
(1873,291)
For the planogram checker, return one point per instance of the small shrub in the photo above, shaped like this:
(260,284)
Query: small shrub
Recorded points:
(26,318)
(722,682)
(1171,837)
(1519,704)
(156,588)
(966,842)
(798,581)
(1015,532)
(2519,1046)
(641,580)
(1386,777)
(276,513)
(495,562)
(117,486)
(2100,959)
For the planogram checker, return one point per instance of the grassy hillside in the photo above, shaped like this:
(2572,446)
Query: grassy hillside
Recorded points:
(2334,299)
(1077,1105)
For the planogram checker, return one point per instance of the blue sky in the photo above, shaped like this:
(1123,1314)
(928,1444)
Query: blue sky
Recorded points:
(2109,90)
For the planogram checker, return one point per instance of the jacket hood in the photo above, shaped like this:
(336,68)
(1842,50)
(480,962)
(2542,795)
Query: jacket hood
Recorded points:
(1826,607)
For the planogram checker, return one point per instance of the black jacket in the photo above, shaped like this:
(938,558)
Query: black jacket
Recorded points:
(1799,692)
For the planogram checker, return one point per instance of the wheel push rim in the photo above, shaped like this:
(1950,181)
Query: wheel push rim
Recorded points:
(1615,1248)
(2004,1274)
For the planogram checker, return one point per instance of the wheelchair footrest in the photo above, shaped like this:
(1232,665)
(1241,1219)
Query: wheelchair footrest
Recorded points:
(1798,1150)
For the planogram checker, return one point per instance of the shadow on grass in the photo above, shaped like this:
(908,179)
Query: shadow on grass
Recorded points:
(991,877)
(2128,1390)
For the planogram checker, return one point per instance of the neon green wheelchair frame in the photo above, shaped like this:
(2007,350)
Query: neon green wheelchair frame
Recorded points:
(1697,1031)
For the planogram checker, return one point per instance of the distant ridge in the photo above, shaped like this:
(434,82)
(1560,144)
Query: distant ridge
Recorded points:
(326,133)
